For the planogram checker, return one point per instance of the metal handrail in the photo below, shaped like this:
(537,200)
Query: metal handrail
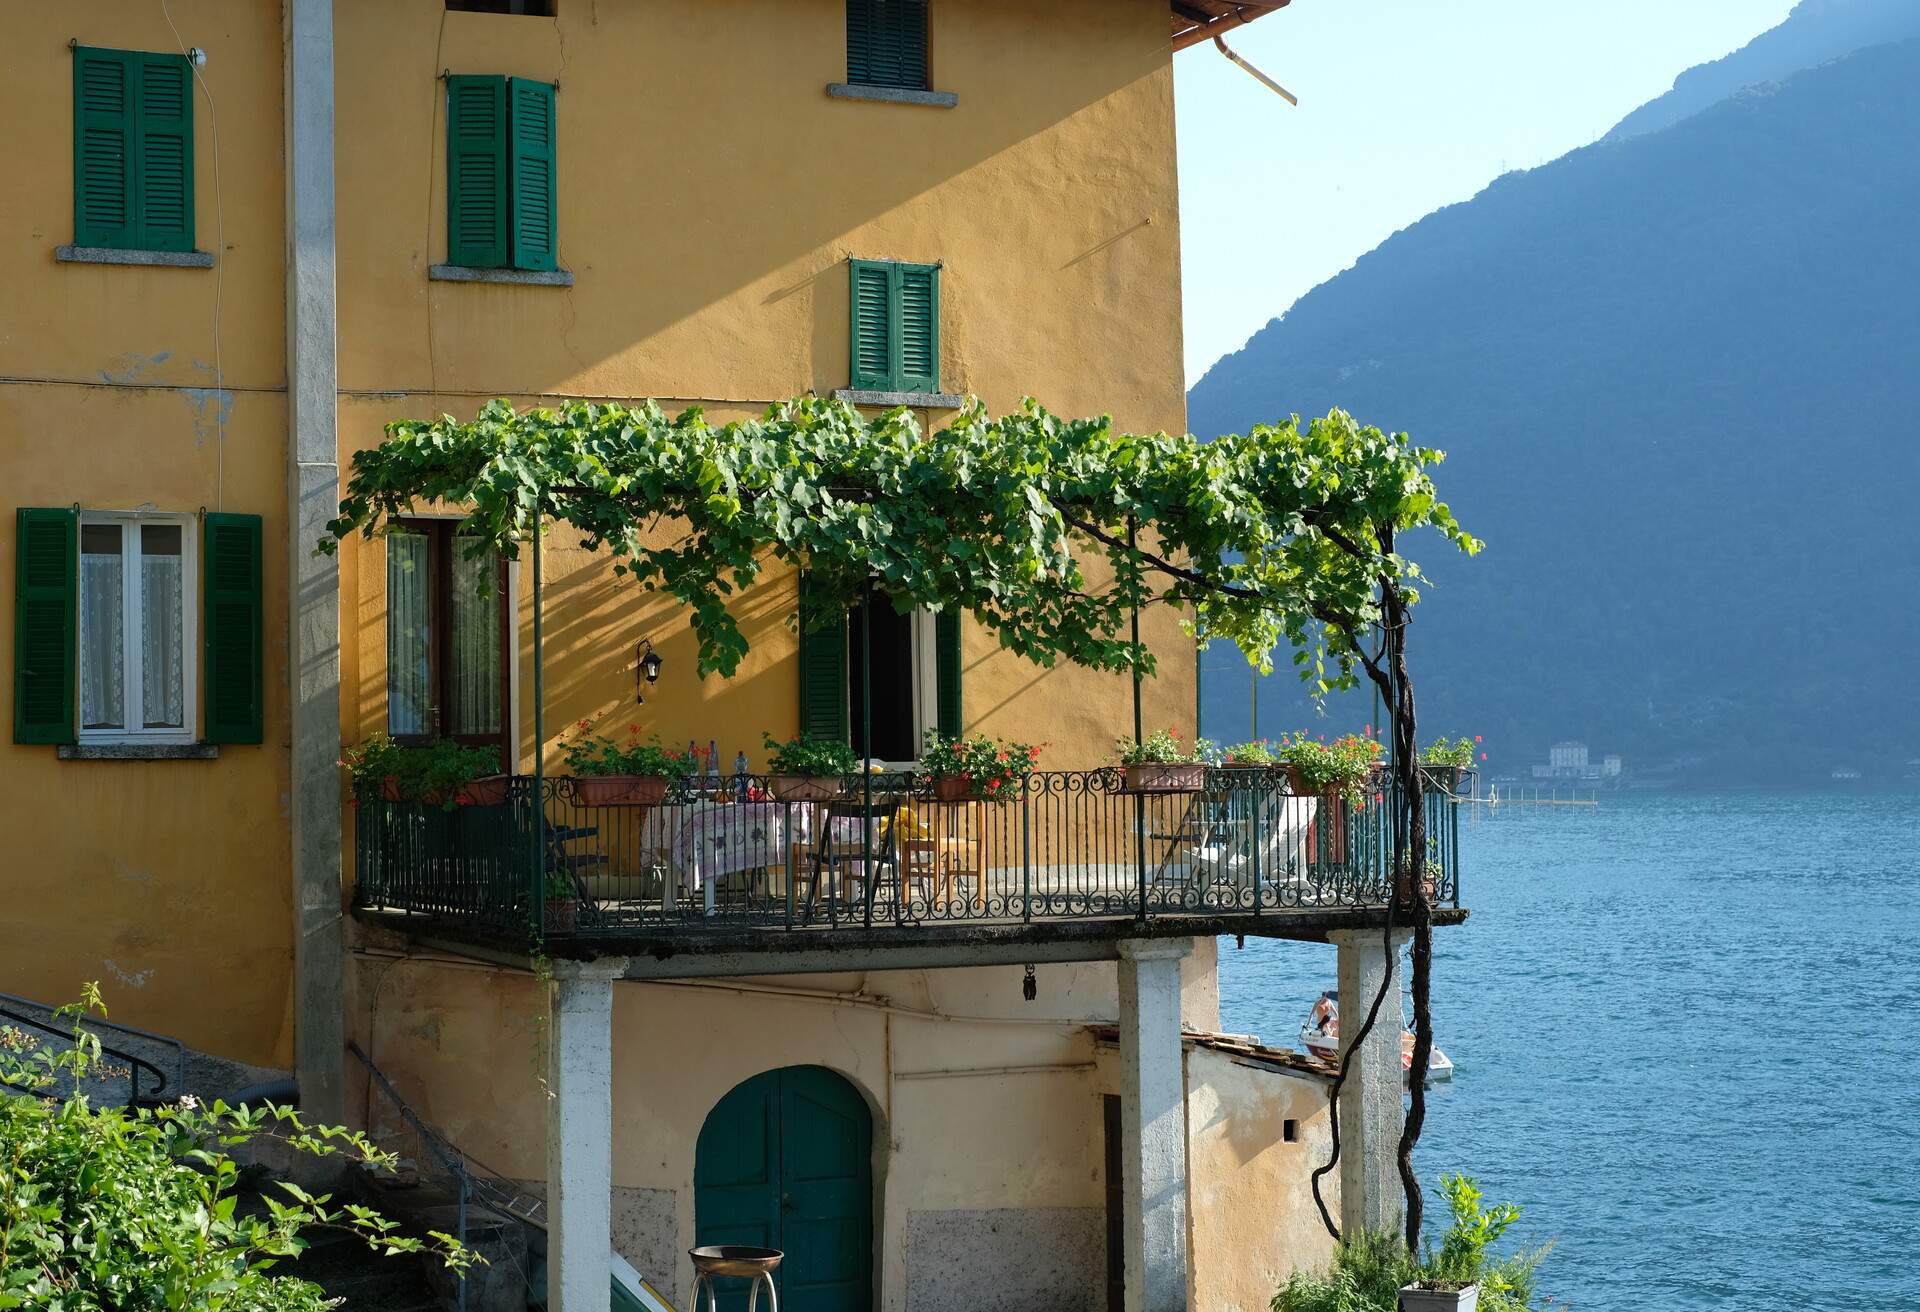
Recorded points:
(134,1064)
(1059,845)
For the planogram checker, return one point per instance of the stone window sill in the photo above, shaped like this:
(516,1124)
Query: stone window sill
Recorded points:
(139,752)
(892,95)
(912,400)
(115,255)
(512,277)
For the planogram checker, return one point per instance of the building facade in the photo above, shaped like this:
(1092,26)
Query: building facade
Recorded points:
(241,239)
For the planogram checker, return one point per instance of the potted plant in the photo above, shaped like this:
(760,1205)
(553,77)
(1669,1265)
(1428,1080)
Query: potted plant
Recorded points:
(1256,754)
(607,773)
(561,913)
(1159,764)
(1449,1281)
(804,769)
(443,773)
(1448,763)
(976,767)
(1337,770)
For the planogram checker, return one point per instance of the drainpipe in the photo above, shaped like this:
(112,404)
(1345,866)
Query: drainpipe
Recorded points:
(1266,81)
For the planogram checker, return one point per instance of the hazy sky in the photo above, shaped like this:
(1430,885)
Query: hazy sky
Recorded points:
(1405,106)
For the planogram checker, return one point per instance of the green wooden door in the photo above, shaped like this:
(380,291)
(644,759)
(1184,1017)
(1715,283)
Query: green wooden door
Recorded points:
(785,1161)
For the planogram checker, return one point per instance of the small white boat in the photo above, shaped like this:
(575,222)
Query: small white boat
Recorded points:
(1320,1035)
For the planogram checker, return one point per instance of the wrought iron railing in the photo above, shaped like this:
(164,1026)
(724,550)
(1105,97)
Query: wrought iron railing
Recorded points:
(724,851)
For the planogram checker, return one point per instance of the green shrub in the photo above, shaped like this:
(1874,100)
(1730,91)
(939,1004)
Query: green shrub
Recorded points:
(1368,1273)
(817,758)
(109,1211)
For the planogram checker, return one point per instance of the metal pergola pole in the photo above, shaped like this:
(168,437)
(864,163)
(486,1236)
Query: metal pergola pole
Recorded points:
(537,818)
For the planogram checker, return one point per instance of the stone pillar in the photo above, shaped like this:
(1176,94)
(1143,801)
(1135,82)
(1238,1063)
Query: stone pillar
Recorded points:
(580,1134)
(1153,1125)
(1372,1112)
(313,581)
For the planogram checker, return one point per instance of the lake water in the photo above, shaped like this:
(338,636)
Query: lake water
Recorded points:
(1687,1031)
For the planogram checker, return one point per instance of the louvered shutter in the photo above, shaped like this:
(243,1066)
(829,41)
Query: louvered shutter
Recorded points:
(823,669)
(918,314)
(103,147)
(532,162)
(46,583)
(946,673)
(887,43)
(235,679)
(872,326)
(477,171)
(163,156)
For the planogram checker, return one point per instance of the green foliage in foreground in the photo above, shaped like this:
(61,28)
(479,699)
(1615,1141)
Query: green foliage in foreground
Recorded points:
(107,1211)
(1369,1272)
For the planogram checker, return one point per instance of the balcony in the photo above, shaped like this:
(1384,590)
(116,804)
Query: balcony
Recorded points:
(720,865)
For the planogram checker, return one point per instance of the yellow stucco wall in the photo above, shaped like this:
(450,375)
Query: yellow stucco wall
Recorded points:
(709,195)
(980,1099)
(167,881)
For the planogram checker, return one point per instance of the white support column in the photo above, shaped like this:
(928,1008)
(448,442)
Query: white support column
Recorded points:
(1153,1125)
(580,1134)
(1372,1112)
(313,581)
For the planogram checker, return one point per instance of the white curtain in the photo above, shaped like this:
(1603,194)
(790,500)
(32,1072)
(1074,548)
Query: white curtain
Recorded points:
(163,681)
(102,630)
(409,630)
(476,643)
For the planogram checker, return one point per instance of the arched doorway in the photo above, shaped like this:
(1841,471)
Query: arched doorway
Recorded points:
(785,1161)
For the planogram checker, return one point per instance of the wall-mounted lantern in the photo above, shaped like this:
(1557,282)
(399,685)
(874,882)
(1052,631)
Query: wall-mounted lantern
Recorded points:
(646,670)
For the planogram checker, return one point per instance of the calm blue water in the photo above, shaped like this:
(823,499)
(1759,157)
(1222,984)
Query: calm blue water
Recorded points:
(1688,1038)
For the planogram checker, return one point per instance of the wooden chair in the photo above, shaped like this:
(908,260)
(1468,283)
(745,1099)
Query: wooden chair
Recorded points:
(841,860)
(951,850)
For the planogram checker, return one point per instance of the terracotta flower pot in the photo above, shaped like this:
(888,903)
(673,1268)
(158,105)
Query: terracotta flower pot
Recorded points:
(953,788)
(620,789)
(1166,777)
(804,787)
(562,915)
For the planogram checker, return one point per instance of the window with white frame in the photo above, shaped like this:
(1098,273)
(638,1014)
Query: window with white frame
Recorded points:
(136,594)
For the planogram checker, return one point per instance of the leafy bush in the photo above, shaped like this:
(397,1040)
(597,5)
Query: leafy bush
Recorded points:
(1343,766)
(1368,1273)
(1458,753)
(994,765)
(1367,1276)
(433,773)
(817,758)
(597,754)
(1258,752)
(110,1211)
(1161,748)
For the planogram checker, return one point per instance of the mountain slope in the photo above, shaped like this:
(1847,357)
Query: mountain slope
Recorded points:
(1816,31)
(1677,375)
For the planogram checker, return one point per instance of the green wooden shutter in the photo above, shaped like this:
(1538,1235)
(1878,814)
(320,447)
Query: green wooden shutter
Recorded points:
(871,332)
(46,584)
(163,156)
(477,171)
(103,147)
(887,43)
(532,162)
(823,669)
(917,367)
(235,679)
(946,673)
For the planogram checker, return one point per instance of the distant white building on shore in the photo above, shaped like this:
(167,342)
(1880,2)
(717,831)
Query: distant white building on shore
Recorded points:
(1571,760)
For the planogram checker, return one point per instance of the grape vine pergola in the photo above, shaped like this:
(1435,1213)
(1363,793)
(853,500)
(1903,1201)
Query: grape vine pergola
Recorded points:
(1052,533)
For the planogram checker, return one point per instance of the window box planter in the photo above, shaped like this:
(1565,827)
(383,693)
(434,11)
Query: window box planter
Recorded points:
(1165,777)
(620,789)
(953,788)
(1415,1299)
(1448,779)
(804,787)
